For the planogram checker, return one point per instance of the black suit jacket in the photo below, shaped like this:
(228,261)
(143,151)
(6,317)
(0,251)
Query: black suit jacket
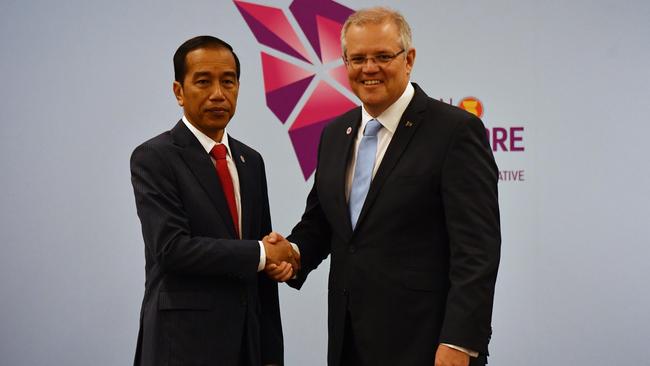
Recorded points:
(421,265)
(204,302)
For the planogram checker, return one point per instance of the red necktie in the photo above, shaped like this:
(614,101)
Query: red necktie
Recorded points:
(219,153)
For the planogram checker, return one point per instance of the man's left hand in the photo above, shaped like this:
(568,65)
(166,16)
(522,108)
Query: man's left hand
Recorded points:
(281,273)
(447,356)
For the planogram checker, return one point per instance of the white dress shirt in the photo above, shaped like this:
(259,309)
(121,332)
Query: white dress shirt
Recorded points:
(389,120)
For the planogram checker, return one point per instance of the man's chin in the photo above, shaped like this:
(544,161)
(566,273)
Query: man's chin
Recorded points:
(217,116)
(218,121)
(372,102)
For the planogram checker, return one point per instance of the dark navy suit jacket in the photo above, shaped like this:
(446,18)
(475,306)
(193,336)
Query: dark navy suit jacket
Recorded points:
(420,267)
(204,301)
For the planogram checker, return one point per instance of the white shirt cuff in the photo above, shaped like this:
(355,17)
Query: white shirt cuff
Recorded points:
(295,248)
(464,350)
(260,267)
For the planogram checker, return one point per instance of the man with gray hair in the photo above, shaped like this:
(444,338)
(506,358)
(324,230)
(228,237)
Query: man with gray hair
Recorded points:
(405,202)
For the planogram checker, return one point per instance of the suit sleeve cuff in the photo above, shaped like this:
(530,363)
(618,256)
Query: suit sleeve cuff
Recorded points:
(262,263)
(462,349)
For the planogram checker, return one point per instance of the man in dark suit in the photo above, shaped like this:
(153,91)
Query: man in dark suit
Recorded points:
(202,200)
(405,202)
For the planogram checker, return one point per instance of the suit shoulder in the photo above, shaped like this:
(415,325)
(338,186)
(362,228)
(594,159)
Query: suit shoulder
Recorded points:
(156,145)
(451,112)
(162,140)
(451,118)
(346,119)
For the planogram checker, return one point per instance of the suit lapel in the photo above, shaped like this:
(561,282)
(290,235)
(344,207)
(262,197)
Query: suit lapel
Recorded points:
(246,178)
(347,136)
(201,166)
(408,125)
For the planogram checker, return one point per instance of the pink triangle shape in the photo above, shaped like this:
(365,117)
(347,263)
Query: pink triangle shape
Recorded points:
(282,100)
(324,103)
(274,20)
(279,73)
(305,144)
(329,34)
(340,74)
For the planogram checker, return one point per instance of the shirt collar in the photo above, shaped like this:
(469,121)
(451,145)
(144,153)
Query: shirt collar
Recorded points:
(205,141)
(389,118)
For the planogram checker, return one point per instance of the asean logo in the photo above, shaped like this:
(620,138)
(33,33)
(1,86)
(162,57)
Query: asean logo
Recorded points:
(289,69)
(472,105)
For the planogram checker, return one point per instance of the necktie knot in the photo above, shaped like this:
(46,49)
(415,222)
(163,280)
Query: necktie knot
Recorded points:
(372,127)
(219,151)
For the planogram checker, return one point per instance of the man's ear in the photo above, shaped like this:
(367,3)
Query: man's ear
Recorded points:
(410,60)
(178,92)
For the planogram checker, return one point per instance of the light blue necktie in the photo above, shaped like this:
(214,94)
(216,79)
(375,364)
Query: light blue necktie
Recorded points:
(363,169)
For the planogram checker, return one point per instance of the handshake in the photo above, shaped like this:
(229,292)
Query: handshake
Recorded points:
(282,260)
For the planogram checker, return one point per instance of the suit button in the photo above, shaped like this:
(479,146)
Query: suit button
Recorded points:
(345,291)
(352,249)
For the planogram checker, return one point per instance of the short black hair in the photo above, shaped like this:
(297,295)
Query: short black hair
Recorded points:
(194,44)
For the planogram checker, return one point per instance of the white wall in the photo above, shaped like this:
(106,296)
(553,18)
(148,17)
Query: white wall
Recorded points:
(86,82)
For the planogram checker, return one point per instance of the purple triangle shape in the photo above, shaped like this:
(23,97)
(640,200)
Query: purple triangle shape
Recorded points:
(267,37)
(305,12)
(305,143)
(282,101)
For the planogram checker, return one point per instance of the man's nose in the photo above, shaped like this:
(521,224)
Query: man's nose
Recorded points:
(369,65)
(216,92)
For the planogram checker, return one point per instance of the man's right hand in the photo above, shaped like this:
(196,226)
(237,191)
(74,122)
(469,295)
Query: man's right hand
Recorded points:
(279,250)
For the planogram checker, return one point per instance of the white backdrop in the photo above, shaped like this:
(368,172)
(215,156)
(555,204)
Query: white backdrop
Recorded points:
(86,82)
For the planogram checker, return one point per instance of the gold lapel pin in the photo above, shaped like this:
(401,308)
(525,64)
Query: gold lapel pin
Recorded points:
(409,124)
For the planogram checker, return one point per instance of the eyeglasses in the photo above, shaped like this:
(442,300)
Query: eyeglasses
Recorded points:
(382,59)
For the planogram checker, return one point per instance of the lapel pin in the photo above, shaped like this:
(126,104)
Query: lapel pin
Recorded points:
(409,123)
(241,157)
(348,131)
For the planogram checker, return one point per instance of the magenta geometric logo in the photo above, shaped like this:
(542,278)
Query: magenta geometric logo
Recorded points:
(309,77)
